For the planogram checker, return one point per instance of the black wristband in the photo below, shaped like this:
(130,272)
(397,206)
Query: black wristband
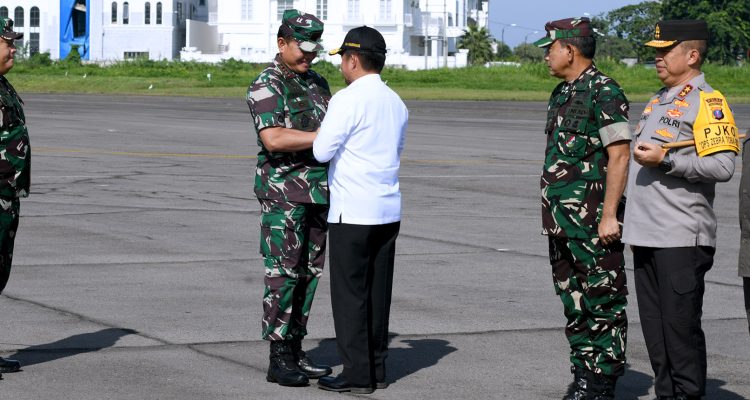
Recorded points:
(666,163)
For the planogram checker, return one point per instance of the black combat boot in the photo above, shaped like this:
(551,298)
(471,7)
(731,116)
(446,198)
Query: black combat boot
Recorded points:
(577,389)
(305,364)
(683,396)
(600,387)
(283,368)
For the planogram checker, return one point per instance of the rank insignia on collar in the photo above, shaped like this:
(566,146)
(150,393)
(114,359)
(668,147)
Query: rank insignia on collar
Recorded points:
(681,103)
(664,132)
(675,113)
(685,91)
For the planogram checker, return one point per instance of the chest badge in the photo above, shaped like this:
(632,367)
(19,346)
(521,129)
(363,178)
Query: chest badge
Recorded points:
(665,133)
(674,113)
(681,103)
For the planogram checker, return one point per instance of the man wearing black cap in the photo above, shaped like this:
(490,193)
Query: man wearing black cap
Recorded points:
(584,175)
(669,221)
(288,101)
(16,161)
(362,136)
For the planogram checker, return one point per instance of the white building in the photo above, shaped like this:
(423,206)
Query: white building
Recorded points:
(419,33)
(104,30)
(246,29)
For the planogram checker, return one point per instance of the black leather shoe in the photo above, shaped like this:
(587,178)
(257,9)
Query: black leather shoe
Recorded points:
(7,365)
(340,384)
(307,365)
(381,385)
(282,368)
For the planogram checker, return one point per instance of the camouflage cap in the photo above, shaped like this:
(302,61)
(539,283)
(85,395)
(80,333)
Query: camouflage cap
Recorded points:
(6,29)
(669,33)
(565,28)
(305,28)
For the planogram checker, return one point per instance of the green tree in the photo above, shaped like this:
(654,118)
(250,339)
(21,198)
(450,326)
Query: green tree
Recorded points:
(627,28)
(529,53)
(479,43)
(74,57)
(728,24)
(503,51)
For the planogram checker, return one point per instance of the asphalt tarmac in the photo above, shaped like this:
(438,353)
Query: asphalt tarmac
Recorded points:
(137,273)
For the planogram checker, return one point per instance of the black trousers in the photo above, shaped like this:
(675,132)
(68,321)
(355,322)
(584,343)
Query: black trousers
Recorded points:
(746,287)
(362,258)
(669,286)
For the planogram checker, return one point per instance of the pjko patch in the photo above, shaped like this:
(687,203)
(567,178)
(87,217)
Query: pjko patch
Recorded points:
(714,127)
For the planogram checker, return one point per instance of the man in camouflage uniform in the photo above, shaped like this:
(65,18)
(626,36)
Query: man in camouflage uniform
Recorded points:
(288,101)
(15,161)
(585,169)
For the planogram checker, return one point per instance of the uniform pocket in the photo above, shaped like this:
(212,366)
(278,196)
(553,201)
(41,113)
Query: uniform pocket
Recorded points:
(683,283)
(302,114)
(572,143)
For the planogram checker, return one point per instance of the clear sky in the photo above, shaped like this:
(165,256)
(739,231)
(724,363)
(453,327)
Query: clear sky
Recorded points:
(531,15)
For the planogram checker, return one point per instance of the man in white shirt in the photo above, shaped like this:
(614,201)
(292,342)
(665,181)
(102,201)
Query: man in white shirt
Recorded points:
(362,136)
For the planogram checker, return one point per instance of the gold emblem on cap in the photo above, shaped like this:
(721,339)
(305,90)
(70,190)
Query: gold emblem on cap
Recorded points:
(658,32)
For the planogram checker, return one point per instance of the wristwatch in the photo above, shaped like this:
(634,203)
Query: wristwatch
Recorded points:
(666,163)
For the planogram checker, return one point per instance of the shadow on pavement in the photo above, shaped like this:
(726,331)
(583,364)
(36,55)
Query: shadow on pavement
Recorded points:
(634,385)
(70,346)
(715,392)
(401,362)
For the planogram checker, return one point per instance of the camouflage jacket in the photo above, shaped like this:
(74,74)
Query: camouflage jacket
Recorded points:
(574,175)
(15,152)
(279,97)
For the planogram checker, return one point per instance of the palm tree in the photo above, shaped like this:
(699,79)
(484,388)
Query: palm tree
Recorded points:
(479,43)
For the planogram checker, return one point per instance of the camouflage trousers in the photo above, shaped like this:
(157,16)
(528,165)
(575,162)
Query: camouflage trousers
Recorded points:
(9,209)
(590,280)
(293,244)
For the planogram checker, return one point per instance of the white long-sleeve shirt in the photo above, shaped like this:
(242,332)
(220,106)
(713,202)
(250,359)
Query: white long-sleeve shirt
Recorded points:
(362,136)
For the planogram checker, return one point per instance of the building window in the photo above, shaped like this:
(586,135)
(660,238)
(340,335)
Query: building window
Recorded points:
(385,10)
(18,17)
(4,12)
(352,10)
(283,5)
(158,13)
(179,12)
(147,14)
(125,13)
(79,19)
(114,12)
(322,10)
(246,10)
(33,43)
(34,17)
(135,55)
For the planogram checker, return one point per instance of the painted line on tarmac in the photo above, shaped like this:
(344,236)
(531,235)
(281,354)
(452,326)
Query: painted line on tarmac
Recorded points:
(51,150)
(470,176)
(54,150)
